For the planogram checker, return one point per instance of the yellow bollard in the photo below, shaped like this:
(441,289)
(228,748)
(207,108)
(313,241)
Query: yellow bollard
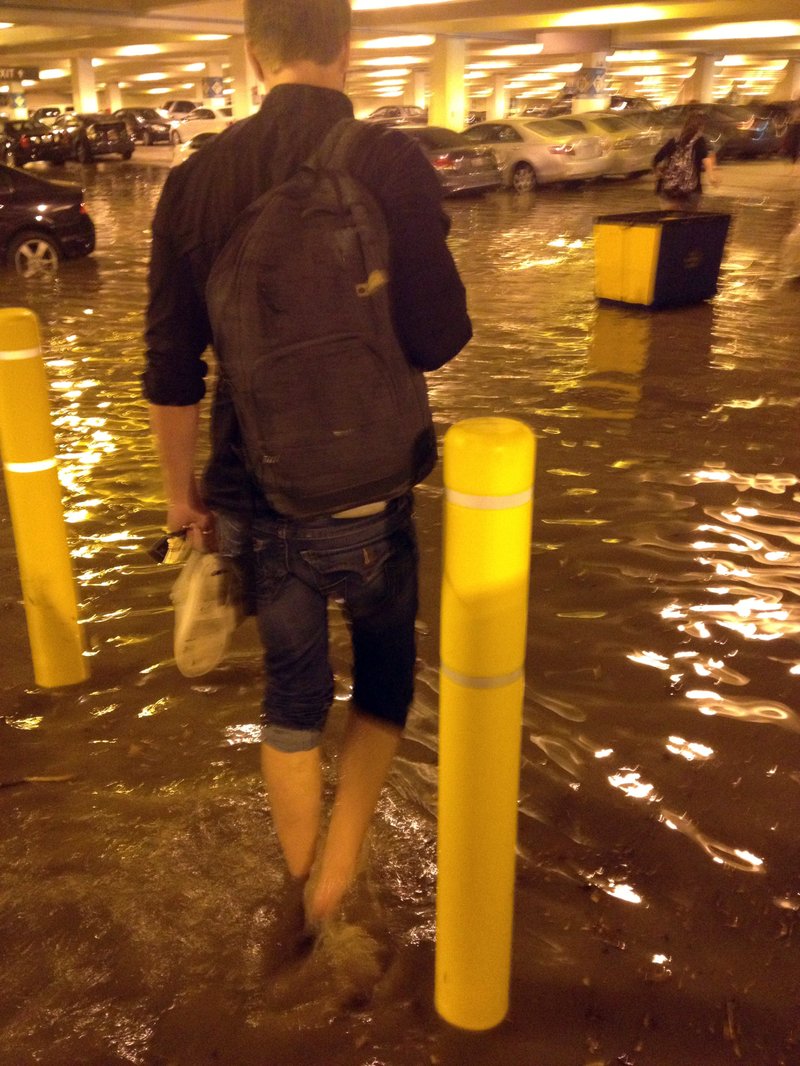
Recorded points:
(34,496)
(488,474)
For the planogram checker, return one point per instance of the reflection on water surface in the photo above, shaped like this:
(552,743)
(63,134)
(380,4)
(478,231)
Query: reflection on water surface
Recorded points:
(658,895)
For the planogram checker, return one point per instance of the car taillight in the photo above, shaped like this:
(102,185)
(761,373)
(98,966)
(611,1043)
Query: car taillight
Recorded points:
(747,124)
(444,162)
(562,149)
(82,209)
(24,141)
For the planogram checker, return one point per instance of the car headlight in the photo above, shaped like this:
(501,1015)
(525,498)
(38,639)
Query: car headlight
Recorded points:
(562,149)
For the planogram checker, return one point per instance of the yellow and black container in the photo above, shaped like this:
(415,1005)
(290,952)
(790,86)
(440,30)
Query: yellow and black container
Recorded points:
(659,258)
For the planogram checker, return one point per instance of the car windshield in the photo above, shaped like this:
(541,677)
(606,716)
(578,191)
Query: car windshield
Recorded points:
(555,128)
(150,114)
(438,137)
(612,123)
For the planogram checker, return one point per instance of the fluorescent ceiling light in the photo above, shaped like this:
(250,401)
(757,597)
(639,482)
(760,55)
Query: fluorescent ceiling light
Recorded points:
(419,40)
(211,37)
(381,5)
(139,50)
(752,61)
(187,85)
(52,73)
(733,31)
(634,55)
(99,62)
(397,61)
(517,50)
(476,75)
(610,16)
(156,75)
(194,68)
(6,25)
(26,83)
(163,90)
(492,64)
(401,72)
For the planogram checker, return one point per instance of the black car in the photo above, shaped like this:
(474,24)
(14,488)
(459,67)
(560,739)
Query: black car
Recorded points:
(144,124)
(730,129)
(27,141)
(460,165)
(41,222)
(391,115)
(93,135)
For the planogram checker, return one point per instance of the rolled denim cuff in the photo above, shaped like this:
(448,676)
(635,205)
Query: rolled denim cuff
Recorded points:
(290,740)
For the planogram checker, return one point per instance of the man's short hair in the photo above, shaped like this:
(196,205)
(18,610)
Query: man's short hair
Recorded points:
(282,32)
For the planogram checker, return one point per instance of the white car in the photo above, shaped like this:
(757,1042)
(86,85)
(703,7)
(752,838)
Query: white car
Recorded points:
(182,151)
(201,120)
(631,147)
(540,151)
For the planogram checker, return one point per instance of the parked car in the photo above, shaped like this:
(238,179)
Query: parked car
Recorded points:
(393,115)
(630,148)
(540,151)
(459,165)
(188,148)
(178,108)
(92,135)
(41,222)
(48,115)
(779,111)
(144,124)
(27,141)
(730,129)
(563,104)
(200,120)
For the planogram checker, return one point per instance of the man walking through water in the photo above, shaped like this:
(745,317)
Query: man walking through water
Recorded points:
(365,557)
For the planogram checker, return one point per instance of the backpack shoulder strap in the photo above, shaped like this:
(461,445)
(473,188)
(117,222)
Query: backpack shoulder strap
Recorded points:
(340,142)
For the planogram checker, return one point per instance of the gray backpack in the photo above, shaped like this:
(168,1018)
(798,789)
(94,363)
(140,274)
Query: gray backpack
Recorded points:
(332,414)
(679,177)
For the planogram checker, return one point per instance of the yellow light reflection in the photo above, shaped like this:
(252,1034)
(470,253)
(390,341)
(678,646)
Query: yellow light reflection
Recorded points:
(630,782)
(740,31)
(689,750)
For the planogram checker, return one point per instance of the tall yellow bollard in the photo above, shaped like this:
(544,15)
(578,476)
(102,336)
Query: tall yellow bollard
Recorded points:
(34,496)
(488,474)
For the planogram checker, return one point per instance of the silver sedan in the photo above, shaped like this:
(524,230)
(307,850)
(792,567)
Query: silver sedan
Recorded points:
(631,147)
(541,151)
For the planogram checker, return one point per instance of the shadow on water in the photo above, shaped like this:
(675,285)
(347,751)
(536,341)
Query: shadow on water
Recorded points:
(144,914)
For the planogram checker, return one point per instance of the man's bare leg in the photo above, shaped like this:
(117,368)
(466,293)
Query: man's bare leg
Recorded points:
(367,752)
(294,786)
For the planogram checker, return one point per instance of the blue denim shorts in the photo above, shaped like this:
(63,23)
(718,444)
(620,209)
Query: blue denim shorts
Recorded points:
(367,565)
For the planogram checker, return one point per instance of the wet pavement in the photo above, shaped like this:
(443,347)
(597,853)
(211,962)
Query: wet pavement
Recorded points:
(658,898)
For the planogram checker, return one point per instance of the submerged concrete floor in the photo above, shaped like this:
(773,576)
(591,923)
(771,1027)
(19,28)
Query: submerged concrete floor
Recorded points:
(658,893)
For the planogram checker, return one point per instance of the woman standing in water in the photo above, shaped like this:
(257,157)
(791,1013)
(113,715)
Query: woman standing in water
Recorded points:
(681,163)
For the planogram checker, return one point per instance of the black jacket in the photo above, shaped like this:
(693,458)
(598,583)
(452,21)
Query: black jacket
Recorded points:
(200,202)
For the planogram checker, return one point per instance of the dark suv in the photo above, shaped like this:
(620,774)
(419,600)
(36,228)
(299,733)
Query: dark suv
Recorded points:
(392,115)
(93,135)
(144,124)
(730,129)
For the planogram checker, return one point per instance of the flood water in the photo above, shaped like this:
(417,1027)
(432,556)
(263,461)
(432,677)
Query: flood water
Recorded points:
(658,894)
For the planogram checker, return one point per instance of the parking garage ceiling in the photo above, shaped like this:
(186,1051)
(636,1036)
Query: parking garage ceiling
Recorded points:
(177,38)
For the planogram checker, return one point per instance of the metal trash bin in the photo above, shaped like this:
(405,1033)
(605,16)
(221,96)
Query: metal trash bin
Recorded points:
(659,258)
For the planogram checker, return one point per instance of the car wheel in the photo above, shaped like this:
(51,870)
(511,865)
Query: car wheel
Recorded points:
(126,155)
(524,178)
(175,137)
(33,254)
(147,138)
(83,152)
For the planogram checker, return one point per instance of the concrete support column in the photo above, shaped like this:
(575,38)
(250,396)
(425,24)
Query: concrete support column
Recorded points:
(498,101)
(448,105)
(114,96)
(793,80)
(84,92)
(212,78)
(590,84)
(700,87)
(246,86)
(416,87)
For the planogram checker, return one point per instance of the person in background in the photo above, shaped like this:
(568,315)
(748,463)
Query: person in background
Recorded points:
(300,49)
(682,162)
(791,144)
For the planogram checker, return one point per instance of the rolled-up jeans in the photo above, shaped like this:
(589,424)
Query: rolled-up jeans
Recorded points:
(369,566)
